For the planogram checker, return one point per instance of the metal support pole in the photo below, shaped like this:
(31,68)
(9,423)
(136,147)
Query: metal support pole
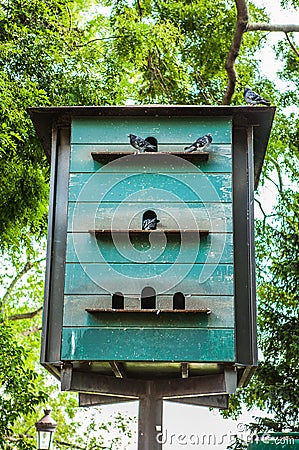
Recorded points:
(150,419)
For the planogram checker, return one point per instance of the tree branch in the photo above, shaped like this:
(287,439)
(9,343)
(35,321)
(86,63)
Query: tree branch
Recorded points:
(67,444)
(263,212)
(139,8)
(28,315)
(97,39)
(292,45)
(31,331)
(287,28)
(17,437)
(10,288)
(241,27)
(155,70)
(279,175)
(27,267)
(121,36)
(200,80)
(70,19)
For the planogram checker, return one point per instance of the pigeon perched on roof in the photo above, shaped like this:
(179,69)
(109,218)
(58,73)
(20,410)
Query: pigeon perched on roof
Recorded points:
(201,144)
(141,144)
(150,224)
(252,98)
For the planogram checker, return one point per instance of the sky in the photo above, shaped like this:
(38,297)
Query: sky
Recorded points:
(269,68)
(184,424)
(269,64)
(188,427)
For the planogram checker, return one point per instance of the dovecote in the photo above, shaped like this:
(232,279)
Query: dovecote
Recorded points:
(176,302)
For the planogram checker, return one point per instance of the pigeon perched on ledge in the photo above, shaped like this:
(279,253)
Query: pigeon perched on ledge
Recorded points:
(252,98)
(201,144)
(150,224)
(141,144)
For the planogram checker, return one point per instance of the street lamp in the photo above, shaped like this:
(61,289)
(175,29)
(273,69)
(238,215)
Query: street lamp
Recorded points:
(45,428)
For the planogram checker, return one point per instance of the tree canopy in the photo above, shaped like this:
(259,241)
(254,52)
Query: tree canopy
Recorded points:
(108,52)
(63,52)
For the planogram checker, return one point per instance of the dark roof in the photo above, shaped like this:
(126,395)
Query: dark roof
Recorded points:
(261,117)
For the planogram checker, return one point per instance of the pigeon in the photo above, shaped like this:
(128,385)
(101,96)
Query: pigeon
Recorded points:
(252,98)
(141,144)
(150,224)
(201,144)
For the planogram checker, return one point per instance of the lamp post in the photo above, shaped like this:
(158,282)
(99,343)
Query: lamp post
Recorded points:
(45,428)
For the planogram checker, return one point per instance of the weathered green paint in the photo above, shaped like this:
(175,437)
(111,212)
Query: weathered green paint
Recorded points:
(153,344)
(215,217)
(222,312)
(102,187)
(85,247)
(184,196)
(165,130)
(201,279)
(220,160)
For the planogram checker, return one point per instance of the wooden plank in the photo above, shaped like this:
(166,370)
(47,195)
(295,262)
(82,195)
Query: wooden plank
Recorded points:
(118,369)
(244,241)
(215,217)
(66,376)
(88,382)
(173,389)
(142,233)
(220,160)
(222,312)
(193,386)
(210,401)
(201,279)
(147,311)
(50,258)
(106,157)
(84,247)
(154,187)
(148,344)
(87,400)
(246,375)
(52,319)
(230,376)
(185,369)
(164,129)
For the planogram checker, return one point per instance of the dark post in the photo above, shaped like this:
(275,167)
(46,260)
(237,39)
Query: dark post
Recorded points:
(150,419)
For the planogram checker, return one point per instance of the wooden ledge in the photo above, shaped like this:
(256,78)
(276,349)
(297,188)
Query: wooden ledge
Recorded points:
(152,311)
(158,231)
(105,157)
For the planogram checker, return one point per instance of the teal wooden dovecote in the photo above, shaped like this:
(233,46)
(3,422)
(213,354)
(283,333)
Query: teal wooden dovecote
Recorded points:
(123,304)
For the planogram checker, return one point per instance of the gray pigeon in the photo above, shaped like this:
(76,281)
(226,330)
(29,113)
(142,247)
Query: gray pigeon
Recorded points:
(201,144)
(150,224)
(141,144)
(252,98)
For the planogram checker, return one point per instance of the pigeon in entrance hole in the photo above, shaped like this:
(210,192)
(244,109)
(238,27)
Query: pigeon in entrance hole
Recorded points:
(252,98)
(141,144)
(150,224)
(201,144)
